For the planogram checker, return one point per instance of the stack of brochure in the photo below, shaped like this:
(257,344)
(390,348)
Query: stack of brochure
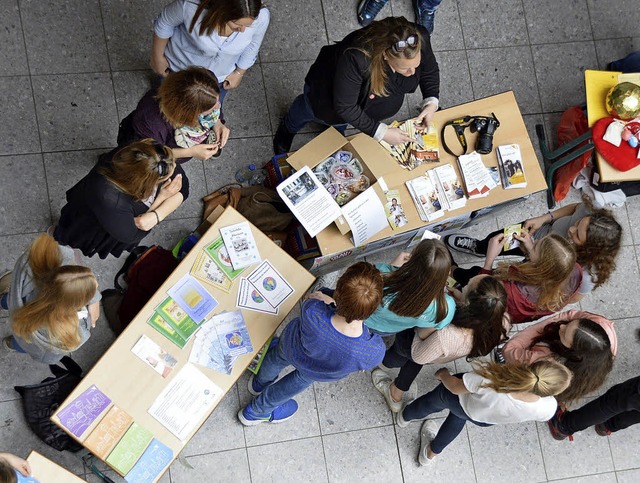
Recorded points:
(477,178)
(437,190)
(511,166)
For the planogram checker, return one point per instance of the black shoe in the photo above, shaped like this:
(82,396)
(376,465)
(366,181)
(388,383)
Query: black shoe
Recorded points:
(460,242)
(368,9)
(282,140)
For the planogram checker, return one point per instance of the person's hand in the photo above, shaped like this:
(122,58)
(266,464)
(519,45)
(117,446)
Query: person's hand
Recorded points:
(401,259)
(204,151)
(456,294)
(232,80)
(526,241)
(532,225)
(496,244)
(441,372)
(160,65)
(222,133)
(146,221)
(170,187)
(18,464)
(395,135)
(425,116)
(321,296)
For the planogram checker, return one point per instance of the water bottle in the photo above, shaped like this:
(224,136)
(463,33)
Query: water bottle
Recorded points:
(244,175)
(259,175)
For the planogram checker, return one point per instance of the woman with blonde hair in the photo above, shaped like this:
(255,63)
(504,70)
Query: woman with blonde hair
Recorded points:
(123,197)
(491,394)
(363,79)
(53,302)
(183,113)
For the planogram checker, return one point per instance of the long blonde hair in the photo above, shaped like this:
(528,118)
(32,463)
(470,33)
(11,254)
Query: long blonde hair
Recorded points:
(556,261)
(543,378)
(377,41)
(62,291)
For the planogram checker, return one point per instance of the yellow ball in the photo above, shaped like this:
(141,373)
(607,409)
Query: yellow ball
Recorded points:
(623,101)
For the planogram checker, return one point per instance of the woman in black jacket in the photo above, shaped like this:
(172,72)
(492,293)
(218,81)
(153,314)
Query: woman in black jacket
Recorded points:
(363,79)
(123,197)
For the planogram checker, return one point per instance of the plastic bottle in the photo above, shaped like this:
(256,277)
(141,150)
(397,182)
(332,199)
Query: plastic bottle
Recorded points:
(259,175)
(244,175)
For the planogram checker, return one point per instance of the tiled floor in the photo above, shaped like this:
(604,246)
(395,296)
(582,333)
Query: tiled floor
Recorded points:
(70,69)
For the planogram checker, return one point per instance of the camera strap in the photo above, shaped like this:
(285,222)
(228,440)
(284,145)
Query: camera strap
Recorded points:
(459,125)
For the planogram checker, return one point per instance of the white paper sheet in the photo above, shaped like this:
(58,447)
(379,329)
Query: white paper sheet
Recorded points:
(271,285)
(365,215)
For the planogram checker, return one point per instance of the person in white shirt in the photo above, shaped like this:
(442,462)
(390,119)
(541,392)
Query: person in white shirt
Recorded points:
(491,394)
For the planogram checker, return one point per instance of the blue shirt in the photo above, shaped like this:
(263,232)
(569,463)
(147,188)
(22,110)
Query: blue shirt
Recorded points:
(320,352)
(384,320)
(219,54)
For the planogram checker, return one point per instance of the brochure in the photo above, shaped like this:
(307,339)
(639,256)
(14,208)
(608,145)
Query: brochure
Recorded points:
(177,318)
(157,322)
(270,284)
(218,252)
(477,177)
(193,298)
(250,298)
(449,187)
(129,448)
(425,196)
(510,241)
(233,334)
(511,166)
(153,355)
(365,216)
(206,270)
(108,432)
(80,413)
(307,199)
(208,352)
(156,458)
(185,401)
(393,209)
(240,244)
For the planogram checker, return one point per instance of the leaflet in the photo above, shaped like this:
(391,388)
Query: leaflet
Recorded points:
(240,244)
(365,215)
(80,413)
(156,458)
(108,432)
(154,356)
(129,448)
(270,284)
(193,298)
(218,252)
(177,318)
(206,270)
(250,298)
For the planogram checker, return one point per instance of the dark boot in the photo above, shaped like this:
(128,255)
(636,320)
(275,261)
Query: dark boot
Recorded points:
(282,140)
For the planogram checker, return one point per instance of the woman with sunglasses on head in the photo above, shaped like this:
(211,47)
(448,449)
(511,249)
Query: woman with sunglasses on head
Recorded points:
(123,197)
(223,36)
(183,113)
(363,79)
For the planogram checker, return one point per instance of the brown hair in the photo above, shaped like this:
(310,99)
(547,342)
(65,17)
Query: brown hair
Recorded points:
(216,13)
(420,281)
(137,168)
(358,292)
(556,261)
(483,312)
(62,291)
(185,94)
(377,42)
(543,378)
(589,358)
(7,473)
(598,253)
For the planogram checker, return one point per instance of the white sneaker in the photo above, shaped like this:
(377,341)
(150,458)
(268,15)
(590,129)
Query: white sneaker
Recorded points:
(400,421)
(428,433)
(382,381)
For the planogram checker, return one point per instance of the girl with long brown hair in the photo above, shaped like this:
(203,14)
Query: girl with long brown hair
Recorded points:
(123,197)
(223,36)
(363,79)
(491,394)
(53,302)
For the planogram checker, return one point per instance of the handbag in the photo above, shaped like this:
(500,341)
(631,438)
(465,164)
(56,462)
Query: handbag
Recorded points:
(40,401)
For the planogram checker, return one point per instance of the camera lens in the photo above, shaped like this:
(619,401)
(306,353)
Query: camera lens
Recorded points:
(484,145)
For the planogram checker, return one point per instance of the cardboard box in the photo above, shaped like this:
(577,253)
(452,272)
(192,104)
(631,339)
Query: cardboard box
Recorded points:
(375,160)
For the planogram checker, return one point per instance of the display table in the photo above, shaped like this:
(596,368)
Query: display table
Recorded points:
(597,85)
(46,471)
(337,249)
(133,386)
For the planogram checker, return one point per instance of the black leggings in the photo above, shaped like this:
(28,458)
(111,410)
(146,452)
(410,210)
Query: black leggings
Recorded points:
(483,245)
(399,355)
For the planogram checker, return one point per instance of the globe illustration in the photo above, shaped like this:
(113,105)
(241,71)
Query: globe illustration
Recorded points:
(623,101)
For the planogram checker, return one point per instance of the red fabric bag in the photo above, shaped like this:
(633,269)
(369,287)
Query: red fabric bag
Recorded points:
(573,123)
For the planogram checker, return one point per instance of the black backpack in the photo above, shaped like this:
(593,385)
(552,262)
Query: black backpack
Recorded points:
(40,401)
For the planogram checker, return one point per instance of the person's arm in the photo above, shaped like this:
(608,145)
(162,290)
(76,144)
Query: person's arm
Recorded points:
(18,464)
(94,313)
(321,296)
(249,55)
(493,250)
(167,201)
(425,332)
(401,259)
(163,28)
(159,63)
(533,224)
(429,81)
(452,383)
(517,349)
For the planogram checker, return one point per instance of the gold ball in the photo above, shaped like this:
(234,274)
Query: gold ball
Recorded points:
(623,101)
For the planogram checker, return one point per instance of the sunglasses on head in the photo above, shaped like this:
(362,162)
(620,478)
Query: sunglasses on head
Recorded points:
(162,166)
(401,45)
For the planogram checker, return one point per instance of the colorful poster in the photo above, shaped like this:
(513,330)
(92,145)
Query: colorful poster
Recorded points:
(129,448)
(155,459)
(108,432)
(78,415)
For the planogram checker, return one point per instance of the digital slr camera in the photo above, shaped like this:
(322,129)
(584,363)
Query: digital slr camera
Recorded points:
(485,127)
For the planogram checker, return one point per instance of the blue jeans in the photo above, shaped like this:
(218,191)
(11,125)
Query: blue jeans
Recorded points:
(4,301)
(300,113)
(631,63)
(425,4)
(437,400)
(277,393)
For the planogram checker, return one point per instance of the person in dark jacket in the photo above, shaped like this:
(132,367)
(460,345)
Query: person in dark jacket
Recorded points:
(363,79)
(123,197)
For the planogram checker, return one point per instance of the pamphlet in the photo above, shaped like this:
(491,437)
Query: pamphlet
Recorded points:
(256,362)
(510,242)
(185,401)
(393,209)
(365,216)
(218,252)
(449,187)
(233,333)
(206,270)
(271,285)
(153,355)
(250,298)
(156,458)
(424,148)
(129,448)
(108,432)
(193,298)
(309,201)
(208,352)
(511,166)
(80,413)
(240,244)
(477,177)
(177,318)
(157,322)
(425,197)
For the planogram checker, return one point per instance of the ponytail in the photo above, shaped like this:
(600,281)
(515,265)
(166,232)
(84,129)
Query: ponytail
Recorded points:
(542,378)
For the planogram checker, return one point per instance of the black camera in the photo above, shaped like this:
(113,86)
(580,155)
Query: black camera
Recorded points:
(485,127)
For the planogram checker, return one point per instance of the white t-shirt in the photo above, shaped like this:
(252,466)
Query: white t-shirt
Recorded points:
(488,406)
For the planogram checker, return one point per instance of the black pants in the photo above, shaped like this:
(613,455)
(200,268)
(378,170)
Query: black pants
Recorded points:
(483,245)
(618,408)
(399,355)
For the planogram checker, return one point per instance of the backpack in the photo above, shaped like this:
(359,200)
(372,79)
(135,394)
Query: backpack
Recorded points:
(142,273)
(40,401)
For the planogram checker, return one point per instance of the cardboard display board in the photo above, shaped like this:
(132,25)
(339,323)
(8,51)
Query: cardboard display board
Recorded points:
(133,386)
(46,471)
(512,130)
